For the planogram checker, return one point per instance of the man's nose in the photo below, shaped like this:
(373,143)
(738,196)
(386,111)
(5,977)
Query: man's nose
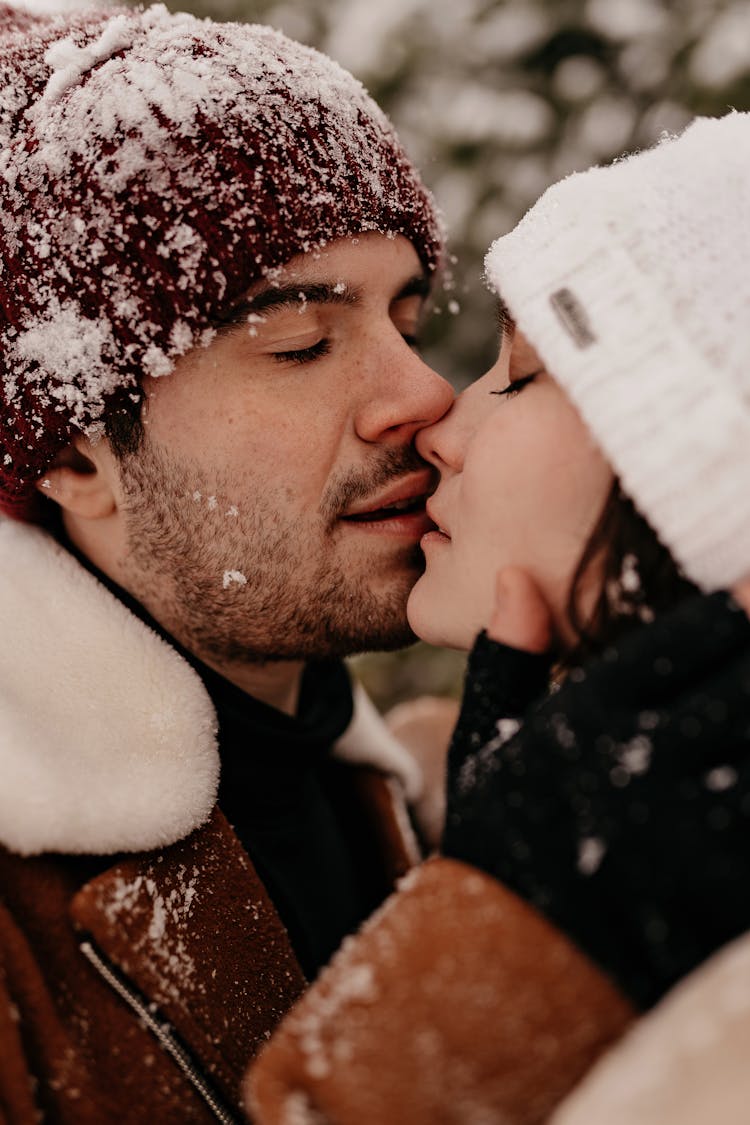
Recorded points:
(402,396)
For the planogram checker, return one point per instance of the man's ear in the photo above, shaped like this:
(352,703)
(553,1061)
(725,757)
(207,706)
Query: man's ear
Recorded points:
(82,479)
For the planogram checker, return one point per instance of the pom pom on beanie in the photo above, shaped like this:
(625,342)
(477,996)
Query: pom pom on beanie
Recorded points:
(152,168)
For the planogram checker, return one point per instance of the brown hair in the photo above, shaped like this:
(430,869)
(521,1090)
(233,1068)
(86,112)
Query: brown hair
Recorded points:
(637,573)
(123,425)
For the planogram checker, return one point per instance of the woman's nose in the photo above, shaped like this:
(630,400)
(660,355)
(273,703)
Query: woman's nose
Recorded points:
(443,444)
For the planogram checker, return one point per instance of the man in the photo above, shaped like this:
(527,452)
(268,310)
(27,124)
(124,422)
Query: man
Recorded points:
(214,260)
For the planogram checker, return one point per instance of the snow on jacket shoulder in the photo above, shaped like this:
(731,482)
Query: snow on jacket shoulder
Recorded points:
(141,961)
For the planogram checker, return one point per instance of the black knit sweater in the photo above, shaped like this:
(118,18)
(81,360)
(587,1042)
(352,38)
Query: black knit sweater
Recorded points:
(619,805)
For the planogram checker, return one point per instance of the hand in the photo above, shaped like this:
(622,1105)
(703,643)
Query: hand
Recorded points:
(741,594)
(508,669)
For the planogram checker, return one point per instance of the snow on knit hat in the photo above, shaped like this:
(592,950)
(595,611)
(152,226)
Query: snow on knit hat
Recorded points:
(633,284)
(152,167)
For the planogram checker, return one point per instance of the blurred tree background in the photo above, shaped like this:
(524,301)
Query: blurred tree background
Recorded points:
(495,100)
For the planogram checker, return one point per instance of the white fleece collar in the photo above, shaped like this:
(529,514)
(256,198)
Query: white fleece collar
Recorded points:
(107,736)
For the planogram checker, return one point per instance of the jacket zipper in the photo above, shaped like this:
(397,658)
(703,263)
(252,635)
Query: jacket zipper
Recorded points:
(163,1033)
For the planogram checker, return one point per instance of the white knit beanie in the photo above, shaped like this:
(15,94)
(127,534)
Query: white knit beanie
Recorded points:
(633,284)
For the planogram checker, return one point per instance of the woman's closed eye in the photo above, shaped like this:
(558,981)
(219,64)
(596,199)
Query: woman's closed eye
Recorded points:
(517,385)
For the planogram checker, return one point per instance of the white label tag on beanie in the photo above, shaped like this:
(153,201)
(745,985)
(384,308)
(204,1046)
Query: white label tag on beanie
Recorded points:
(572,315)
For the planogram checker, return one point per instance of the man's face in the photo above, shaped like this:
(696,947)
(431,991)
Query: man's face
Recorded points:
(259,512)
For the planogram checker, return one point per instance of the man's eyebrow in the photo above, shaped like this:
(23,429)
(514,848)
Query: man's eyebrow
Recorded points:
(276,297)
(506,325)
(417,286)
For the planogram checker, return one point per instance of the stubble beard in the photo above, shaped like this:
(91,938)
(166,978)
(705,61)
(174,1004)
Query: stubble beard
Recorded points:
(187,544)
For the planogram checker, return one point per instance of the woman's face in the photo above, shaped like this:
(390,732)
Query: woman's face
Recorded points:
(522,484)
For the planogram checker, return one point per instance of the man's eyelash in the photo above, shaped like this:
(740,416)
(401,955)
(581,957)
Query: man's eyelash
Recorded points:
(517,385)
(304,355)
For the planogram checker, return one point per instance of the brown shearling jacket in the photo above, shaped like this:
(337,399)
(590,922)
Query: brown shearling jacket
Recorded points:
(142,963)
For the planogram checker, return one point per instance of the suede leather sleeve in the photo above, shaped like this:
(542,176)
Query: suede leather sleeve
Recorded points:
(456,1002)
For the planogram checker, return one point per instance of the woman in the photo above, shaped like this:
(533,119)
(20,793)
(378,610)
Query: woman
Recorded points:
(610,490)
(592,506)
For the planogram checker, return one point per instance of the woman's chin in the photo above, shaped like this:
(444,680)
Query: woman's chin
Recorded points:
(435,616)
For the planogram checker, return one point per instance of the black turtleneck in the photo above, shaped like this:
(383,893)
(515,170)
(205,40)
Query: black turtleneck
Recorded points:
(288,800)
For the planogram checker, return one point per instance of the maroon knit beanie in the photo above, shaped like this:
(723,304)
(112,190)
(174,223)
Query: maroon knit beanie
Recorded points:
(152,167)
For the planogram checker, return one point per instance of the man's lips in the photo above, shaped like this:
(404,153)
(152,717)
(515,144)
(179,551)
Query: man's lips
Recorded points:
(399,496)
(399,508)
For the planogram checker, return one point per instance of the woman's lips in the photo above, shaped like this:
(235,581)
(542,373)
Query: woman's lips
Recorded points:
(437,533)
(433,538)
